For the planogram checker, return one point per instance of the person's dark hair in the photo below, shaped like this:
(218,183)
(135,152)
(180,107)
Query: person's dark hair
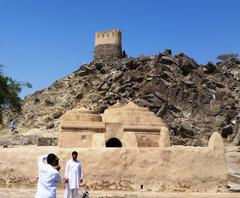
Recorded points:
(56,162)
(74,153)
(51,159)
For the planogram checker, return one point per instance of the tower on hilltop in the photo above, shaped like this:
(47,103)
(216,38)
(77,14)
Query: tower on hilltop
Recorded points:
(108,45)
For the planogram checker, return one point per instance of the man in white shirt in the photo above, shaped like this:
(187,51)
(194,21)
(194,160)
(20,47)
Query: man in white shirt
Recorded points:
(73,176)
(48,176)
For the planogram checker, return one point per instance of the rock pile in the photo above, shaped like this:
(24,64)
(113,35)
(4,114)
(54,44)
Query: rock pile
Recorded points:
(194,100)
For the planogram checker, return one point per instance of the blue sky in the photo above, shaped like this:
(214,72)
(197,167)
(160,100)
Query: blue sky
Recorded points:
(44,40)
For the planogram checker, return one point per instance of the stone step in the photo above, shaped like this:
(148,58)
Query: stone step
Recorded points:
(234,187)
(234,178)
(232,154)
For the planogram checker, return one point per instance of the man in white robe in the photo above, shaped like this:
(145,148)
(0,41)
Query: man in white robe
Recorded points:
(73,176)
(49,176)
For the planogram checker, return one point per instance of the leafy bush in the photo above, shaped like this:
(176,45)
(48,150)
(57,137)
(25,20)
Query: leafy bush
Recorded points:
(9,92)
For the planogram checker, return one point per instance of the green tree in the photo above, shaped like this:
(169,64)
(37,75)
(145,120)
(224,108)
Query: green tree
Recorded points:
(9,92)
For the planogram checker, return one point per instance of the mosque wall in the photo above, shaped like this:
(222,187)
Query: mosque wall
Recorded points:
(163,169)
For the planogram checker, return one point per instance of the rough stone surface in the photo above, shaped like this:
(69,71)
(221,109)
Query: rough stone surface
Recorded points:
(107,52)
(47,141)
(233,161)
(175,88)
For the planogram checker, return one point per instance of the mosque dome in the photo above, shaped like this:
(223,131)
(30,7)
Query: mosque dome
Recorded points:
(131,114)
(80,114)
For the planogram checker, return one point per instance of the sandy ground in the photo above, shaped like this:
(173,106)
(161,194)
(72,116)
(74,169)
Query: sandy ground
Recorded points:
(29,193)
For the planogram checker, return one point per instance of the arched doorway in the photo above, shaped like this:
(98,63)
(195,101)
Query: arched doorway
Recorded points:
(113,142)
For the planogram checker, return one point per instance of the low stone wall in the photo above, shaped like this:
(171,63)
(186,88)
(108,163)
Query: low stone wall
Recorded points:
(160,169)
(47,141)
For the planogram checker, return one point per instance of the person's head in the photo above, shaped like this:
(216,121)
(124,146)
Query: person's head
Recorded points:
(52,159)
(74,155)
(56,162)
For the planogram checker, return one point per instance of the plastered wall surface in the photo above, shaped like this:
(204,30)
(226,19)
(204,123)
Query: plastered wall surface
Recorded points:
(108,37)
(162,169)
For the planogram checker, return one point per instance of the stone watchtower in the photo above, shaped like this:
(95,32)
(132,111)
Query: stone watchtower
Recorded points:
(108,45)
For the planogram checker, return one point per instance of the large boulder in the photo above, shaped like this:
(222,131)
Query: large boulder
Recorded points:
(186,64)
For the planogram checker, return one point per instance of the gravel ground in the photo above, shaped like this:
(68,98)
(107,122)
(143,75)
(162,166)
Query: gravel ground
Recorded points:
(29,193)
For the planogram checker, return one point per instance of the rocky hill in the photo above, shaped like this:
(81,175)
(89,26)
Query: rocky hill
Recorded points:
(194,100)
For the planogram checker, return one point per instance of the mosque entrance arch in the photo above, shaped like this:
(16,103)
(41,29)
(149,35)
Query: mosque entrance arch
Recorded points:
(113,142)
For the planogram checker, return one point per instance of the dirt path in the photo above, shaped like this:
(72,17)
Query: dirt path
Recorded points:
(29,193)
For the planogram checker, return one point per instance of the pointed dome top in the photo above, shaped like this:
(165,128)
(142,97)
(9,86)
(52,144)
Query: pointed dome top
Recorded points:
(81,114)
(117,105)
(131,114)
(132,106)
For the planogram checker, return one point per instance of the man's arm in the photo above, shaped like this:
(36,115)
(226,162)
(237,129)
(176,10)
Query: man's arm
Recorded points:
(58,178)
(81,173)
(66,174)
(41,160)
